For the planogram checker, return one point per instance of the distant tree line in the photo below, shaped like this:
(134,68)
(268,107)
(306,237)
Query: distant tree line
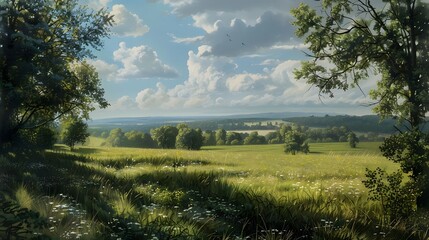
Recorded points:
(368,123)
(295,137)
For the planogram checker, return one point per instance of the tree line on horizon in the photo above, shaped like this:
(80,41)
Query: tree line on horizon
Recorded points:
(184,137)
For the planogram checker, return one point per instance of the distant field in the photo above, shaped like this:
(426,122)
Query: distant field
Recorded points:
(260,132)
(265,123)
(265,167)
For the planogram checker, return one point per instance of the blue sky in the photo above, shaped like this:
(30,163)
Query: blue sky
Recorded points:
(208,57)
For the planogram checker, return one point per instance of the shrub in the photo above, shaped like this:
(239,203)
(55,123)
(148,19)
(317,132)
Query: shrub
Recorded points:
(398,200)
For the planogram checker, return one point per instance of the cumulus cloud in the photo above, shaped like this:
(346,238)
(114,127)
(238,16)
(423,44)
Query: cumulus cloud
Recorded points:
(159,98)
(245,82)
(206,12)
(127,24)
(124,102)
(222,87)
(238,38)
(141,62)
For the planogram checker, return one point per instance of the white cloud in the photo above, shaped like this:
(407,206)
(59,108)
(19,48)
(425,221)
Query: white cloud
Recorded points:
(97,4)
(141,62)
(124,103)
(290,46)
(214,83)
(151,98)
(238,38)
(126,23)
(243,82)
(186,40)
(206,12)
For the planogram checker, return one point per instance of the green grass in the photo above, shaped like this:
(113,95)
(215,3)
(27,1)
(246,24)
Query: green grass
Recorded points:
(219,192)
(94,141)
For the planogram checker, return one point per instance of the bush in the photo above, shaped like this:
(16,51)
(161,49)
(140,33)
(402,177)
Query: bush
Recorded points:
(397,200)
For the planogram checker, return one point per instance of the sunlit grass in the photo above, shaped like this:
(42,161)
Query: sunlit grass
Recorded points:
(223,192)
(333,166)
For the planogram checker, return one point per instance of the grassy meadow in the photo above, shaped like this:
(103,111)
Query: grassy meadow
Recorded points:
(222,192)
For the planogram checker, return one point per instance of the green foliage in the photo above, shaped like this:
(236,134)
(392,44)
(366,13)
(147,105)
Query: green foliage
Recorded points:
(139,140)
(165,136)
(209,138)
(367,123)
(220,136)
(233,137)
(352,139)
(391,41)
(410,150)
(274,137)
(295,142)
(116,138)
(19,223)
(188,138)
(37,139)
(44,75)
(73,131)
(254,139)
(398,200)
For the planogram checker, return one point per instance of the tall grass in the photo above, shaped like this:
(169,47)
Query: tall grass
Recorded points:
(224,192)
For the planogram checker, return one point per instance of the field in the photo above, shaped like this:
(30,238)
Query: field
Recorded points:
(228,192)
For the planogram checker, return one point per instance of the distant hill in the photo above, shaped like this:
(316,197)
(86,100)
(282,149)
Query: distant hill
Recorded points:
(367,123)
(150,122)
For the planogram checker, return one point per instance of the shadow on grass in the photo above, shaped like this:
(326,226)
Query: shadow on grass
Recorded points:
(206,204)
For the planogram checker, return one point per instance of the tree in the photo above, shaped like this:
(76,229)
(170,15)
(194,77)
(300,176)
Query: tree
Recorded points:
(350,38)
(138,139)
(209,138)
(352,139)
(37,139)
(295,142)
(165,136)
(116,138)
(233,137)
(74,131)
(190,139)
(254,138)
(274,137)
(220,136)
(43,73)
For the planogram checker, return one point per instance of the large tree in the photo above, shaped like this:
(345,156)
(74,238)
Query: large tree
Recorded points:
(350,39)
(43,45)
(165,136)
(189,138)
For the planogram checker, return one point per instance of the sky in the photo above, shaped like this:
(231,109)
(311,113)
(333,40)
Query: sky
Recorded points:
(209,57)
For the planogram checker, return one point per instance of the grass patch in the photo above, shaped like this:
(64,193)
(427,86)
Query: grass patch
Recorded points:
(224,192)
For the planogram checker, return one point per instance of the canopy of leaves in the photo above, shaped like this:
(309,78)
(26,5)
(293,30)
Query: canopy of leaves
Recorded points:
(190,139)
(43,76)
(165,136)
(74,131)
(349,39)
